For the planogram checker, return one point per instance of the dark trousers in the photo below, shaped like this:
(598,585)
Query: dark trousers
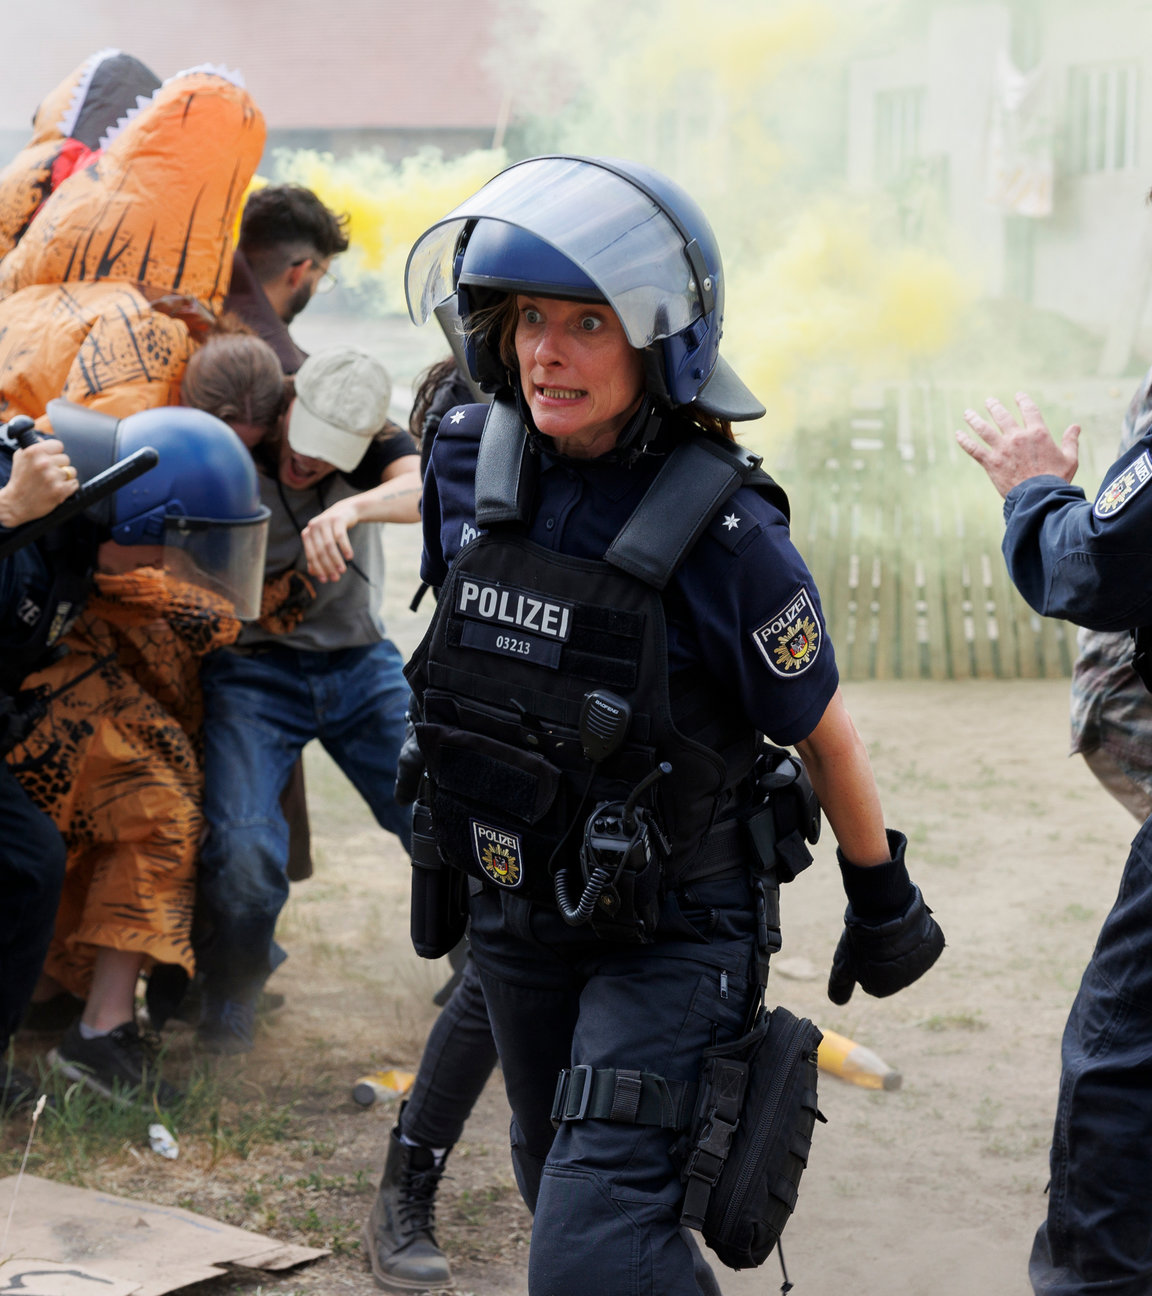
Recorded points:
(457,1061)
(605,1195)
(31,875)
(1098,1234)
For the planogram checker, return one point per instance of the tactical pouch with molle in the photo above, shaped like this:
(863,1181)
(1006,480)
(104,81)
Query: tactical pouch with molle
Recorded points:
(749,1140)
(439,892)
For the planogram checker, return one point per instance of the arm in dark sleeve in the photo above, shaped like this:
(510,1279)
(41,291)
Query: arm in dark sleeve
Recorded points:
(1088,563)
(394,443)
(433,568)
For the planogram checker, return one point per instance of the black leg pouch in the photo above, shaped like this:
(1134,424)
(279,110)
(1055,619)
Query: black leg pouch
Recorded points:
(439,892)
(749,1141)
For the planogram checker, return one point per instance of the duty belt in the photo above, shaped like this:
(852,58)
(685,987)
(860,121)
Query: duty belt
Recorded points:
(726,852)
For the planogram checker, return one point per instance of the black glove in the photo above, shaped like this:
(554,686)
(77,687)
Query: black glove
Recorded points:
(409,766)
(884,954)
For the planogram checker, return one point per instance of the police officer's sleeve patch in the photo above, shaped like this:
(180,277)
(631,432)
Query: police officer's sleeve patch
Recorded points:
(791,640)
(1124,487)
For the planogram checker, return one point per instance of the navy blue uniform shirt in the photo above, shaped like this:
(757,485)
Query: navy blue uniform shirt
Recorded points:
(743,602)
(1088,563)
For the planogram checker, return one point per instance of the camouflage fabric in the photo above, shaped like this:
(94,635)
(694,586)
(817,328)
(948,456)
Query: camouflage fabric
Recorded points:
(1110,708)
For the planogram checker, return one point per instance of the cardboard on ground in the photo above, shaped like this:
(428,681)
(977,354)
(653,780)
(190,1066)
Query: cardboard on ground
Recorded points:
(67,1241)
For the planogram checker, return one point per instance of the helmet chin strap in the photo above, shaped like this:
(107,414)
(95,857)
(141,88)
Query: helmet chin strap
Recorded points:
(640,431)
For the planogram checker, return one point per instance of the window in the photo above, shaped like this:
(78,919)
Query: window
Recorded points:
(899,119)
(1102,110)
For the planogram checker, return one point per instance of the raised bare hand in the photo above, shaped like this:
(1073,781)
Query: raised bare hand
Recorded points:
(1010,454)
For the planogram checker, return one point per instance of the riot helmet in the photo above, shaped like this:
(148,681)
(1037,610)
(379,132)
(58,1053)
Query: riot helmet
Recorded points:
(590,229)
(201,502)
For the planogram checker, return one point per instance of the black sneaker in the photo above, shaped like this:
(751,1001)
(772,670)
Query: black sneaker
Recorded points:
(119,1065)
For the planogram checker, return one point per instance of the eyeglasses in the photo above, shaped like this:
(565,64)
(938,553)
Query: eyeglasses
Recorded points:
(327,280)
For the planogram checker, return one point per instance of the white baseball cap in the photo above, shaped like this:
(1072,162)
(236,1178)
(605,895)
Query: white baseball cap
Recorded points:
(342,400)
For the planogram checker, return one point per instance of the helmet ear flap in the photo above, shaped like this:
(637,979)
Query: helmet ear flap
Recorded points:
(482,345)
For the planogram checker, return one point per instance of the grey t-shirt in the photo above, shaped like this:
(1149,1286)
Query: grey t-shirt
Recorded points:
(346,613)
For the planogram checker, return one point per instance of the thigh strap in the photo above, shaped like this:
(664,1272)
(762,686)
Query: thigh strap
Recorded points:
(627,1097)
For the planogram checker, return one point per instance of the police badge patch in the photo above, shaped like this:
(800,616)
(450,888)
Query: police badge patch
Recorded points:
(498,854)
(790,641)
(1121,489)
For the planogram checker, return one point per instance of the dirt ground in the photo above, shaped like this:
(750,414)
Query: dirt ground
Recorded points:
(935,1188)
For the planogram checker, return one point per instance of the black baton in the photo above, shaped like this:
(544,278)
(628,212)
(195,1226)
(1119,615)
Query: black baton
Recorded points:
(92,492)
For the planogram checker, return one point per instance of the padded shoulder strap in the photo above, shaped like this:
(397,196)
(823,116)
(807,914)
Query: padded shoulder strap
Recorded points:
(504,479)
(695,481)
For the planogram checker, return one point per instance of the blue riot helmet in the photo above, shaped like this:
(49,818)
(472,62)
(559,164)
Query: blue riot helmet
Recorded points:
(201,502)
(592,229)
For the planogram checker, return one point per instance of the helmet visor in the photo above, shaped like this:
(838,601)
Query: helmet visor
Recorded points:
(612,230)
(224,559)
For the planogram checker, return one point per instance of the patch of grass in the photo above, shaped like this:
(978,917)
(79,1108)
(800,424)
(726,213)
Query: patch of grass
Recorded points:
(340,1236)
(318,1181)
(472,1207)
(82,1130)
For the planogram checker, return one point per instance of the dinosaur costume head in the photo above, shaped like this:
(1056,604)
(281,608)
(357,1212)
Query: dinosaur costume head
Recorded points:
(67,128)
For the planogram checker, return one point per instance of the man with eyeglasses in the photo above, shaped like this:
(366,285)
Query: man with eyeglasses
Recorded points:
(288,239)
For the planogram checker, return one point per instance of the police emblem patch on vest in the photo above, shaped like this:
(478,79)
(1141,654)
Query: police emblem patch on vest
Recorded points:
(498,854)
(1121,489)
(790,641)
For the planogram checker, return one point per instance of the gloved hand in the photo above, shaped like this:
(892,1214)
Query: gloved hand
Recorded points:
(884,954)
(409,766)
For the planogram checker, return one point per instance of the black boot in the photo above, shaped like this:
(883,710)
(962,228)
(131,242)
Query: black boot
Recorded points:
(398,1235)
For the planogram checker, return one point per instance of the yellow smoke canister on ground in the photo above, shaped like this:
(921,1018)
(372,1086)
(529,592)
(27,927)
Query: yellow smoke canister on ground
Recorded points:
(381,1085)
(840,1056)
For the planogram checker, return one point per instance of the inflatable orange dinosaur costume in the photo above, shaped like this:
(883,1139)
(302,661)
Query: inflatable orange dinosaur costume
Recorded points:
(102,300)
(67,128)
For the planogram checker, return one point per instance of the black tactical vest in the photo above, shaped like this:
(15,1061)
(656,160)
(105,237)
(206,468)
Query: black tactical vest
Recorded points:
(520,637)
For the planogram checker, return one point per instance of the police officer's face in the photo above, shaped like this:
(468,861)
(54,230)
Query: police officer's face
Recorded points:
(581,377)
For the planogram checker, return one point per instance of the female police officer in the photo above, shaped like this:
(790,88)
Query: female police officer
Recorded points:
(621,617)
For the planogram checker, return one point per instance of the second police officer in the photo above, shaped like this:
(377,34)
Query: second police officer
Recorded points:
(622,617)
(1091,563)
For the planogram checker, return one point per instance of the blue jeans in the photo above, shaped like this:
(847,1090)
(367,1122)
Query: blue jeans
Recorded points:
(259,711)
(606,1196)
(1098,1234)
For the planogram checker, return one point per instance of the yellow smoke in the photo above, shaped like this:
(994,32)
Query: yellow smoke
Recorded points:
(832,297)
(389,205)
(732,104)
